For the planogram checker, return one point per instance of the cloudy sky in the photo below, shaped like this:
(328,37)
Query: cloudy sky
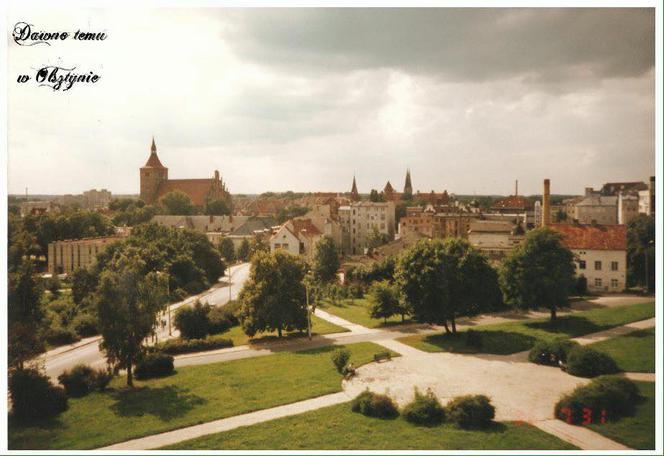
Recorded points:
(302,99)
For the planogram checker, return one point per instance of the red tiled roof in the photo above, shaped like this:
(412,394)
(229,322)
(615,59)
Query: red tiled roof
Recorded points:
(598,237)
(305,225)
(196,189)
(153,161)
(513,202)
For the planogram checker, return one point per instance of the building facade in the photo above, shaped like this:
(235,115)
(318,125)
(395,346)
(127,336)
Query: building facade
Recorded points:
(361,220)
(494,238)
(66,256)
(298,237)
(597,209)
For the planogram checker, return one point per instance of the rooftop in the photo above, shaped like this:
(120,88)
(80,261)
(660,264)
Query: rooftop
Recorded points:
(593,237)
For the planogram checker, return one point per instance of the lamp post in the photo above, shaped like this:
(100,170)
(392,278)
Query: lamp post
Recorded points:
(307,281)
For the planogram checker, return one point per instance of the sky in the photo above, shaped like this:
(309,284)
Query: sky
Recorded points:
(304,99)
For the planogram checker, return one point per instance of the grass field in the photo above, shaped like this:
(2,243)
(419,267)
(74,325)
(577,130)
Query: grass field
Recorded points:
(318,326)
(514,337)
(338,428)
(357,311)
(634,352)
(636,431)
(193,395)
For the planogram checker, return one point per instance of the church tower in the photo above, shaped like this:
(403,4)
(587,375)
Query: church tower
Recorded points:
(354,195)
(408,187)
(152,175)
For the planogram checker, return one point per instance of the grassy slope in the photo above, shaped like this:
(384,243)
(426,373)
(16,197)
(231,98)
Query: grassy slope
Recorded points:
(636,431)
(634,352)
(513,337)
(357,311)
(337,428)
(193,395)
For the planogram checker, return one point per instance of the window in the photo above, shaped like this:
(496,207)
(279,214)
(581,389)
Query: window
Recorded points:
(598,265)
(614,283)
(284,246)
(614,265)
(582,264)
(598,282)
(276,246)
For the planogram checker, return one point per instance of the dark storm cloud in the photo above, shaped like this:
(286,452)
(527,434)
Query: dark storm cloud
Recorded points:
(544,45)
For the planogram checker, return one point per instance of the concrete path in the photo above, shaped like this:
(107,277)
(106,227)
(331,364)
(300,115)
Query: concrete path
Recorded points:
(615,332)
(579,436)
(226,424)
(640,376)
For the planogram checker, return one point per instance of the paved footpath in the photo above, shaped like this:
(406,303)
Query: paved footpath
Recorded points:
(616,332)
(447,374)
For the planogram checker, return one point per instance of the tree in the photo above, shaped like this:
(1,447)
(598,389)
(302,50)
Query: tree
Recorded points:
(128,303)
(376,238)
(83,283)
(177,203)
(258,244)
(443,280)
(375,197)
(641,249)
(53,285)
(227,250)
(243,250)
(539,272)
(273,299)
(25,315)
(326,260)
(383,300)
(193,322)
(217,207)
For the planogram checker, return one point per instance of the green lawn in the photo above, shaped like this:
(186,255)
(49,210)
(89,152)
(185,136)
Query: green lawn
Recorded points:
(514,337)
(636,431)
(357,311)
(634,352)
(193,395)
(318,326)
(338,428)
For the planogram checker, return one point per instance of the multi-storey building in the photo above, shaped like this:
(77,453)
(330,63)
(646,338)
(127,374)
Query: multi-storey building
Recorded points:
(361,220)
(66,256)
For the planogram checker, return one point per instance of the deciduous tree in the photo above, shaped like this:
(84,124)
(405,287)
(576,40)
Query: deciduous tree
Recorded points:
(326,260)
(177,203)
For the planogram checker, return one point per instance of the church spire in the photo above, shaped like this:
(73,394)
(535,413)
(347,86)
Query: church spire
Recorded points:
(153,160)
(153,148)
(354,195)
(408,186)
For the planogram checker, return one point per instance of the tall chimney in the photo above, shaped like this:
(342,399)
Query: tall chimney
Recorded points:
(546,203)
(516,187)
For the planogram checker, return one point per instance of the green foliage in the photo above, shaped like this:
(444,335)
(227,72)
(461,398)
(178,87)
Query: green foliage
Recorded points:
(588,362)
(616,396)
(33,396)
(471,411)
(227,249)
(85,324)
(218,207)
(222,318)
(56,335)
(258,244)
(376,238)
(424,410)
(539,273)
(474,339)
(83,283)
(82,379)
(273,299)
(641,249)
(580,286)
(193,321)
(374,405)
(383,300)
(326,260)
(25,314)
(153,365)
(130,212)
(340,359)
(177,203)
(53,286)
(379,270)
(550,352)
(179,346)
(290,212)
(443,280)
(375,197)
(243,250)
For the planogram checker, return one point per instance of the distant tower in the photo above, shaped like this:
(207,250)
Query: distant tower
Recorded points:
(546,203)
(408,187)
(354,195)
(152,175)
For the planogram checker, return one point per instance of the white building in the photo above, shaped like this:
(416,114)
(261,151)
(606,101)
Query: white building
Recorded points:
(361,220)
(494,238)
(601,254)
(599,209)
(297,236)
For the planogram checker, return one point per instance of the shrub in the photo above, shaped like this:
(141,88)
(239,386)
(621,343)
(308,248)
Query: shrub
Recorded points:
(101,379)
(179,295)
(424,410)
(82,379)
(33,396)
(470,411)
(340,359)
(374,405)
(85,325)
(550,352)
(178,346)
(588,362)
(473,339)
(604,398)
(194,287)
(154,365)
(222,318)
(57,335)
(192,321)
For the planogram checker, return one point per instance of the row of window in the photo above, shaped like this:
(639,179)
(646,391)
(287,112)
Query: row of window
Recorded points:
(598,265)
(614,283)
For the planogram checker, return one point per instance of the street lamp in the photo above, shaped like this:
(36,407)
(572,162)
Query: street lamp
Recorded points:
(308,278)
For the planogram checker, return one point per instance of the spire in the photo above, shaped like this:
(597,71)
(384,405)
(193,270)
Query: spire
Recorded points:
(408,187)
(354,195)
(153,148)
(153,160)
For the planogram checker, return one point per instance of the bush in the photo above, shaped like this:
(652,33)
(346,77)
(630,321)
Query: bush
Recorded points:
(588,362)
(82,379)
(424,410)
(57,335)
(179,295)
(470,411)
(340,359)
(551,352)
(178,346)
(34,397)
(473,339)
(374,405)
(222,318)
(195,287)
(192,321)
(85,325)
(154,365)
(604,398)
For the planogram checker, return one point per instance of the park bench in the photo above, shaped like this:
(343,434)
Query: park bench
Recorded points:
(382,356)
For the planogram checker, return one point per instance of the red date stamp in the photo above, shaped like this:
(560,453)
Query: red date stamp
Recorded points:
(587,417)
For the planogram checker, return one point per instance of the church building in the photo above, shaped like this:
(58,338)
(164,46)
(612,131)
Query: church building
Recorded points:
(155,183)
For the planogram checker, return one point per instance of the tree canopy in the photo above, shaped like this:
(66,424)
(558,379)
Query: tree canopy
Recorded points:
(641,248)
(383,300)
(217,207)
(177,203)
(326,260)
(227,249)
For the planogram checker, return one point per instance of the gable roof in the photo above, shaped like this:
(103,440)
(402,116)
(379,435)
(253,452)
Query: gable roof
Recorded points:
(255,224)
(304,227)
(593,237)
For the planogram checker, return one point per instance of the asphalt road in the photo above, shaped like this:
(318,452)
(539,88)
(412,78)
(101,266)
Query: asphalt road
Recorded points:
(87,351)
